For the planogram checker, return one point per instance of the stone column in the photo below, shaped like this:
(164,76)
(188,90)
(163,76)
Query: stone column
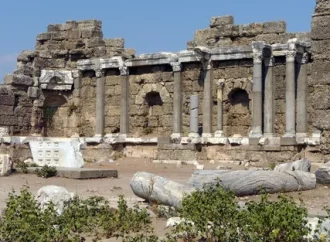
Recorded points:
(269,98)
(100,102)
(290,109)
(219,133)
(257,96)
(177,101)
(124,112)
(302,127)
(207,98)
(194,102)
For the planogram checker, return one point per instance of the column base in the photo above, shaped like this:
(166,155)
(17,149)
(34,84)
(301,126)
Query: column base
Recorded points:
(269,135)
(255,135)
(98,136)
(289,135)
(207,135)
(176,135)
(193,135)
(219,134)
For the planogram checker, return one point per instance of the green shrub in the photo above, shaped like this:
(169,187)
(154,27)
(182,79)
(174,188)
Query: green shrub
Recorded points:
(46,171)
(281,220)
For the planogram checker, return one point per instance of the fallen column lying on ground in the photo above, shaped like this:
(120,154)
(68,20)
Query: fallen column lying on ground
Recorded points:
(157,189)
(299,165)
(251,182)
(323,174)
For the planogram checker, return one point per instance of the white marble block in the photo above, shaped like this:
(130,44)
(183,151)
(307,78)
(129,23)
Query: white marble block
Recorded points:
(62,153)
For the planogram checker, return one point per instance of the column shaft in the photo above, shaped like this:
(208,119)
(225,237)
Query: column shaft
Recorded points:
(177,101)
(207,99)
(124,109)
(290,109)
(100,99)
(219,132)
(302,126)
(269,98)
(257,96)
(194,102)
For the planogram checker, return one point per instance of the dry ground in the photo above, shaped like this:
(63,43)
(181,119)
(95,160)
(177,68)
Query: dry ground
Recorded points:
(315,200)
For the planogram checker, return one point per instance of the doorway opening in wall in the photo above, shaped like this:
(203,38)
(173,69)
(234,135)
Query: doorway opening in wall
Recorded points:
(238,112)
(54,112)
(153,101)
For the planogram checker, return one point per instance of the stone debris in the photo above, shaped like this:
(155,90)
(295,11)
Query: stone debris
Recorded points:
(55,194)
(323,174)
(299,165)
(6,165)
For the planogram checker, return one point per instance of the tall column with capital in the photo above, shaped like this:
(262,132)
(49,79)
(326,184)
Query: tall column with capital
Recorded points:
(207,98)
(290,104)
(257,95)
(177,100)
(100,105)
(124,117)
(269,98)
(302,126)
(219,133)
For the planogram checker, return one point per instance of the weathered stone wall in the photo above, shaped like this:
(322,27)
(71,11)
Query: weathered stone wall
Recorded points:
(223,32)
(112,101)
(320,76)
(87,104)
(151,100)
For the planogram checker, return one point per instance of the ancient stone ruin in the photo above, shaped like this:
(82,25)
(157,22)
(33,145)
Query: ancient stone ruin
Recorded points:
(238,92)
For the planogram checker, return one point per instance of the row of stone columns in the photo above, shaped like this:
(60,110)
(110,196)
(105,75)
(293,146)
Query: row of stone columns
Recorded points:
(259,108)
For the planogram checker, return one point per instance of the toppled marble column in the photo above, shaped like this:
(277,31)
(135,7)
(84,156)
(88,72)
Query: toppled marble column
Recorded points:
(299,165)
(252,182)
(100,105)
(124,115)
(154,188)
(177,100)
(323,174)
(194,102)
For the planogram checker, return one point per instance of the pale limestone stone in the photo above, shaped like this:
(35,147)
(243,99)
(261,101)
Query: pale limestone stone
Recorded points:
(4,131)
(6,165)
(55,194)
(58,153)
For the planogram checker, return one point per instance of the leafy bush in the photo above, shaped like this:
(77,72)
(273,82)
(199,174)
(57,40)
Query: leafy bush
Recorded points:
(212,214)
(281,220)
(24,220)
(46,171)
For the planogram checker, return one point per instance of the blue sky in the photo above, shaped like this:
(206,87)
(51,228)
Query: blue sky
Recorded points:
(147,25)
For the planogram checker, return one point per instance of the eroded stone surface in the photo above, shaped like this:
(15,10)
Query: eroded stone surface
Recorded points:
(6,165)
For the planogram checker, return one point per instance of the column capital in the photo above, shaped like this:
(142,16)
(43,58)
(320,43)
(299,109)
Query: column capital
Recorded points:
(99,73)
(270,61)
(221,83)
(305,58)
(123,70)
(257,57)
(291,55)
(76,73)
(176,66)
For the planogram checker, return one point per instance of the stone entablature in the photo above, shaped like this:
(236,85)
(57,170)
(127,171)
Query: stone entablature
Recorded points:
(186,56)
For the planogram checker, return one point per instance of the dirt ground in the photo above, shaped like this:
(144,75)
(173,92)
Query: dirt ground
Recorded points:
(315,200)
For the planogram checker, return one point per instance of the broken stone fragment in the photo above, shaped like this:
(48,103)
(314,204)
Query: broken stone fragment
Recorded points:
(6,165)
(55,194)
(222,20)
(299,165)
(18,80)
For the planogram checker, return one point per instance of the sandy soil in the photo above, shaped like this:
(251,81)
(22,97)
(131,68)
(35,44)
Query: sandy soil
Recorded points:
(315,200)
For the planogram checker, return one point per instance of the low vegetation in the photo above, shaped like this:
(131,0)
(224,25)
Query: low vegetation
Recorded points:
(211,215)
(46,171)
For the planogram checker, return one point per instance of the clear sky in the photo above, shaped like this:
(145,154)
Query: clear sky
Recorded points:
(147,25)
